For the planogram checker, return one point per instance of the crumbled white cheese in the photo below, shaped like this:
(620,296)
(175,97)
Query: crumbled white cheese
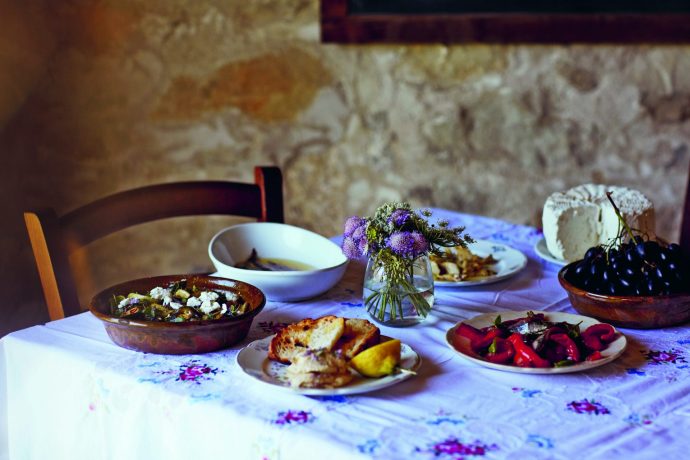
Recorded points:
(208,295)
(159,293)
(223,309)
(232,296)
(193,302)
(208,306)
(127,302)
(175,305)
(167,300)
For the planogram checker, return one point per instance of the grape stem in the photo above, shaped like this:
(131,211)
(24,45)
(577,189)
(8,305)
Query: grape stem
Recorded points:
(620,217)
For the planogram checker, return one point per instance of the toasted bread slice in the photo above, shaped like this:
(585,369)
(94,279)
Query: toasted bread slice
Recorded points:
(309,333)
(359,335)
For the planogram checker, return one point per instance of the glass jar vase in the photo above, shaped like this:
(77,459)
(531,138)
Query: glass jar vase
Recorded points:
(399,301)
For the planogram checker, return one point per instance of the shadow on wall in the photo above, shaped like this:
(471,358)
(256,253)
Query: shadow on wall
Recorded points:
(26,45)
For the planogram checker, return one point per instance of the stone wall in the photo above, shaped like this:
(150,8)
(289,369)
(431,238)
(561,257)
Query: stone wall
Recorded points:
(104,95)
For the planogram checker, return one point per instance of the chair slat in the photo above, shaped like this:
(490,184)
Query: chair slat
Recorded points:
(54,238)
(146,204)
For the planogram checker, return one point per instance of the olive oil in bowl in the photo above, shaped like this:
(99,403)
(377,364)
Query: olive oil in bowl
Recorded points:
(273,264)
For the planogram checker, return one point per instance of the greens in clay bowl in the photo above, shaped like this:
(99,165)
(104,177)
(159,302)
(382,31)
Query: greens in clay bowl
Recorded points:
(178,314)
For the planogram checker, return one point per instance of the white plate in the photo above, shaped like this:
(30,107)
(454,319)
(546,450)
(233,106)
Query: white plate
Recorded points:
(253,360)
(509,262)
(543,251)
(462,345)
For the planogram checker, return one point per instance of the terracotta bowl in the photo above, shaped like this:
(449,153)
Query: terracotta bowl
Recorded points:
(177,338)
(637,312)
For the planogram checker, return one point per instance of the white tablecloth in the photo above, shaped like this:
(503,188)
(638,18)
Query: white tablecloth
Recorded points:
(67,392)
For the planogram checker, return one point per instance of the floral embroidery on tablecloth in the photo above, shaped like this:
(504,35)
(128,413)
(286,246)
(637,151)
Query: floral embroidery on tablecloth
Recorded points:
(635,419)
(340,399)
(446,419)
(333,403)
(635,371)
(204,397)
(455,449)
(196,372)
(499,237)
(670,356)
(264,447)
(346,297)
(370,446)
(293,417)
(587,406)
(442,417)
(540,441)
(192,371)
(525,392)
(351,304)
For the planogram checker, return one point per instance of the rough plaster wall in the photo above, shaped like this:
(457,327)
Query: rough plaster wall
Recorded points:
(110,95)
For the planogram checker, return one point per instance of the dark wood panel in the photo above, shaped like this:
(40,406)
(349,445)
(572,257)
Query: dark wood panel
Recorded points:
(339,24)
(517,6)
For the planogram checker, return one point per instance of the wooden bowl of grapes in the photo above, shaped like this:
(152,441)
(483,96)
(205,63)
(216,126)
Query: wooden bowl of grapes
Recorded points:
(639,285)
(178,314)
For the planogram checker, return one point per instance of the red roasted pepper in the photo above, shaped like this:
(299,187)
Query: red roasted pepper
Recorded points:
(569,344)
(525,356)
(594,356)
(489,335)
(597,336)
(500,351)
(479,338)
(468,331)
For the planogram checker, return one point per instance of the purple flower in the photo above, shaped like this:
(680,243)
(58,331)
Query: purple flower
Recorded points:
(363,246)
(353,223)
(351,248)
(359,233)
(402,243)
(399,217)
(420,245)
(408,244)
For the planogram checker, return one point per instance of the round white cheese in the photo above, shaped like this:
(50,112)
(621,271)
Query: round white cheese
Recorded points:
(582,217)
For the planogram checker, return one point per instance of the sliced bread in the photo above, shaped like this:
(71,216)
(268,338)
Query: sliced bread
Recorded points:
(314,334)
(359,334)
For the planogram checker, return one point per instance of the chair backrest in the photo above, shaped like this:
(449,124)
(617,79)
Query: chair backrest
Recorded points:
(54,238)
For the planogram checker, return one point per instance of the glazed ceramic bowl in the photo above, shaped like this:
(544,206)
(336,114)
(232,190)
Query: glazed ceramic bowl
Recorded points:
(637,312)
(325,259)
(178,338)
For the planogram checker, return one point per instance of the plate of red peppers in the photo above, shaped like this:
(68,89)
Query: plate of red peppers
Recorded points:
(536,342)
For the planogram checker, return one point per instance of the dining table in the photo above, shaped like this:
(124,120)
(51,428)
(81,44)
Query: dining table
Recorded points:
(67,391)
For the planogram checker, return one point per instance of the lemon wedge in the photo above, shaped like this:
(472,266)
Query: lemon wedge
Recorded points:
(378,360)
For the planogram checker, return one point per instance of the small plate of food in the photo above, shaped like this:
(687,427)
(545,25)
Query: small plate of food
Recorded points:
(536,342)
(482,262)
(329,356)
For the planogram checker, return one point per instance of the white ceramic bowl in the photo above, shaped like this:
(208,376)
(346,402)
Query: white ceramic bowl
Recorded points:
(234,245)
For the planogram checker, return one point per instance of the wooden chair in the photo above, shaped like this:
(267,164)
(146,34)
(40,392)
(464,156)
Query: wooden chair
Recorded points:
(54,238)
